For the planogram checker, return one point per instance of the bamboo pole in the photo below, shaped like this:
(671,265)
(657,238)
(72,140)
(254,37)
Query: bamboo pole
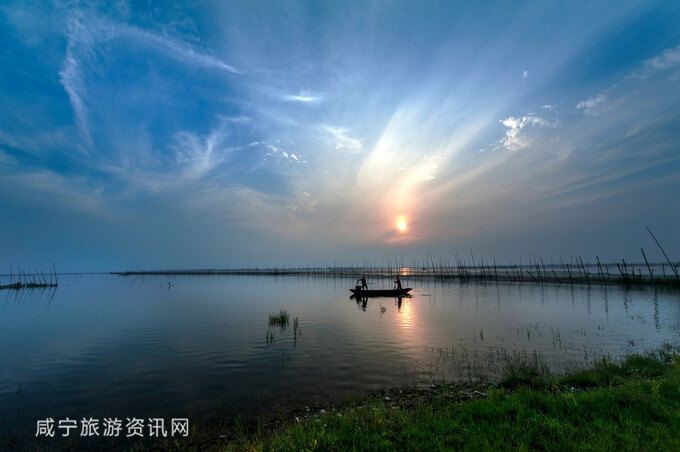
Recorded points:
(675,271)
(651,273)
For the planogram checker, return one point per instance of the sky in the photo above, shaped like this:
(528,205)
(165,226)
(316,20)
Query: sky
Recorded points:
(225,134)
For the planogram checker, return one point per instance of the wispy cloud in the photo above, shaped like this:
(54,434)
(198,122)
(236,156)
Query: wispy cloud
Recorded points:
(36,141)
(601,102)
(290,156)
(304,97)
(343,141)
(173,48)
(74,193)
(85,33)
(72,79)
(195,155)
(669,58)
(515,136)
(592,106)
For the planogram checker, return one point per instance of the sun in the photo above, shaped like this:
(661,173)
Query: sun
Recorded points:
(401,224)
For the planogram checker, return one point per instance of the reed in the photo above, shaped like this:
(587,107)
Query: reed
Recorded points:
(29,280)
(281,319)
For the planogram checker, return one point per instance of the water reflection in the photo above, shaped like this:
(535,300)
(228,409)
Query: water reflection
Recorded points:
(362,302)
(132,347)
(35,294)
(406,314)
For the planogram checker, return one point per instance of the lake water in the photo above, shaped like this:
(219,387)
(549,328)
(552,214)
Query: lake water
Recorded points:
(109,346)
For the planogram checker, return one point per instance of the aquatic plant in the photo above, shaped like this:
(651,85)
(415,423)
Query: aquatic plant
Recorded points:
(296,331)
(30,280)
(280,319)
(523,370)
(270,337)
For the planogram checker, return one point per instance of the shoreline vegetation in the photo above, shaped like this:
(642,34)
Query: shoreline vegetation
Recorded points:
(628,404)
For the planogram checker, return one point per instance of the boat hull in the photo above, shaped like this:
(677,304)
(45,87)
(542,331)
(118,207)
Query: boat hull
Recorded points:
(380,293)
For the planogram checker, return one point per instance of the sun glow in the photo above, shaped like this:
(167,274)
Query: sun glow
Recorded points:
(401,224)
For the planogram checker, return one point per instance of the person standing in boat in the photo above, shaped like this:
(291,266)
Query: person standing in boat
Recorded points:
(397,283)
(364,286)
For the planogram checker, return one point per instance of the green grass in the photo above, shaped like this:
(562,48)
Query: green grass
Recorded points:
(631,405)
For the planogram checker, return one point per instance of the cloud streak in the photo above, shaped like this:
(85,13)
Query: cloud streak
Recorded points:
(591,107)
(175,49)
(669,58)
(304,97)
(343,141)
(82,42)
(73,81)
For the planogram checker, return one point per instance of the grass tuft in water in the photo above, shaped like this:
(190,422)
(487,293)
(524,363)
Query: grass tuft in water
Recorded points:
(270,337)
(524,370)
(281,319)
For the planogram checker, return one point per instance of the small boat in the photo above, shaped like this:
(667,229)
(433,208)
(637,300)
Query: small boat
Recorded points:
(380,293)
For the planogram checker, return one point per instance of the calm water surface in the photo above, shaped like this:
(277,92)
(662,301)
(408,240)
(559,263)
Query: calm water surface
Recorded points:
(122,347)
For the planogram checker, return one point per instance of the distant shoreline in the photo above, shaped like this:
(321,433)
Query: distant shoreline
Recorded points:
(625,274)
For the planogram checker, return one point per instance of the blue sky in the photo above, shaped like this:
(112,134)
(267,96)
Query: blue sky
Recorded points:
(246,133)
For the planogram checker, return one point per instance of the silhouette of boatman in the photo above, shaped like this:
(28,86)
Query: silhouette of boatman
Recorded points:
(397,283)
(363,283)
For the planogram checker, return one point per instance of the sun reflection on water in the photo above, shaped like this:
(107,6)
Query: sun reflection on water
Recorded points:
(406,315)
